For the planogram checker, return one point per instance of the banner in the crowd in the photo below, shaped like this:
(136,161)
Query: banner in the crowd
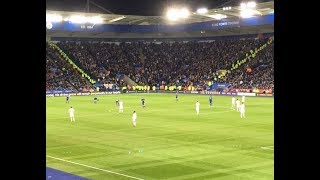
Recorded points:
(221,72)
(244,90)
(218,85)
(120,75)
(262,91)
(108,86)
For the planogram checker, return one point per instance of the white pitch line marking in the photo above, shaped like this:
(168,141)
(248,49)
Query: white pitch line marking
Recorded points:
(93,167)
(267,147)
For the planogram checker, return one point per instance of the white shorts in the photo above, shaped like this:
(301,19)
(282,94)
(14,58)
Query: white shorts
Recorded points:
(71,116)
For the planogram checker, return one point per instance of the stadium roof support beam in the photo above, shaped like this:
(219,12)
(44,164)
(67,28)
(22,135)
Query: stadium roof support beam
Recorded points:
(100,7)
(137,20)
(88,6)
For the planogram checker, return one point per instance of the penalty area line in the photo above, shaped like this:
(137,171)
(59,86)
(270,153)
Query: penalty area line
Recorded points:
(104,170)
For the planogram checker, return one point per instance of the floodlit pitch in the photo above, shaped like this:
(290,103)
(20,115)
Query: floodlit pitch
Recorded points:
(170,140)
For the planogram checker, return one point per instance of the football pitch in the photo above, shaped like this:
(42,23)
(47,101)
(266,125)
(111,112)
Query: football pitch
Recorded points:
(169,142)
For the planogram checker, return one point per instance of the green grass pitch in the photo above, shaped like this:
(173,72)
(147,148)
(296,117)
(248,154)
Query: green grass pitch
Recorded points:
(169,142)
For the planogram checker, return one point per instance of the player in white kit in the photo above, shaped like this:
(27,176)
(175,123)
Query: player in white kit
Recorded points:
(197,107)
(71,113)
(134,118)
(242,110)
(238,105)
(243,97)
(120,106)
(233,102)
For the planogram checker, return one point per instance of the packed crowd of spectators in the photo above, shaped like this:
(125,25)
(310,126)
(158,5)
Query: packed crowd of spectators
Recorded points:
(60,75)
(258,73)
(172,63)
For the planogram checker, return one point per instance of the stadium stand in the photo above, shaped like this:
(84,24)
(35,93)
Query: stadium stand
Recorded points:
(61,76)
(178,63)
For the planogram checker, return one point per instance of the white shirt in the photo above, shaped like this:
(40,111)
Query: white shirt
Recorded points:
(233,100)
(134,116)
(242,108)
(243,98)
(121,104)
(237,102)
(197,105)
(71,112)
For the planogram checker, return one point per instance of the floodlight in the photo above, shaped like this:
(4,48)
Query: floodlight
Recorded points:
(202,10)
(218,16)
(246,13)
(78,19)
(183,13)
(243,5)
(49,25)
(175,14)
(251,4)
(96,20)
(172,14)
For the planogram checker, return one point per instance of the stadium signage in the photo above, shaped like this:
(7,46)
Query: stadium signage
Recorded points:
(226,23)
(125,28)
(210,92)
(136,91)
(59,92)
(83,94)
(269,95)
(229,93)
(194,92)
(86,27)
(246,94)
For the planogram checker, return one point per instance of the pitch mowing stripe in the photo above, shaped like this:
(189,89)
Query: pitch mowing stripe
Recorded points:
(93,167)
(117,110)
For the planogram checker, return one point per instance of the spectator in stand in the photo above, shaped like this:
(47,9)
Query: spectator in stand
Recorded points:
(171,64)
(60,75)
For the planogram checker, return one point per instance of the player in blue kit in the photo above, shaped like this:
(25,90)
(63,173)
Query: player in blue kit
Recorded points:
(143,102)
(176,97)
(68,98)
(95,99)
(210,100)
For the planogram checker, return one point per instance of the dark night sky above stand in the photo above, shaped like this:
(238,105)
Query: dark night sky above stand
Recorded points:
(136,7)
